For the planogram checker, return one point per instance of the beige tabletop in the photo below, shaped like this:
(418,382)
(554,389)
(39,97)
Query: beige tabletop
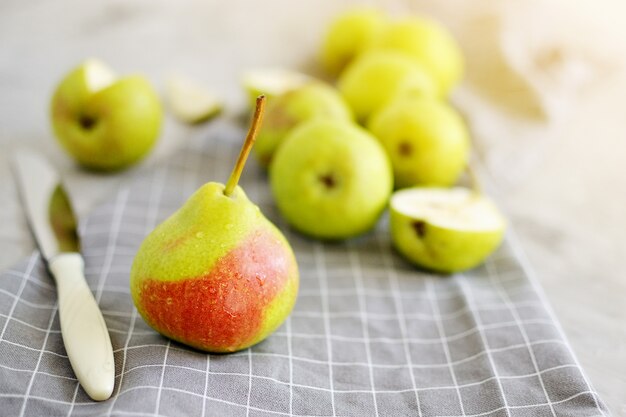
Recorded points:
(567,201)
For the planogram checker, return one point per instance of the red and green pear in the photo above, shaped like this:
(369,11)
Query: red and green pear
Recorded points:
(217,275)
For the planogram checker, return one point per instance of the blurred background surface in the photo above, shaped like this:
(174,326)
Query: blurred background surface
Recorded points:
(544,94)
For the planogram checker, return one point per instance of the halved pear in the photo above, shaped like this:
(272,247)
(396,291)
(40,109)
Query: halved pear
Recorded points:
(445,229)
(190,102)
(272,82)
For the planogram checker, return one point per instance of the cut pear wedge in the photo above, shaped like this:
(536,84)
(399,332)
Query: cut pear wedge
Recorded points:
(98,75)
(445,229)
(189,102)
(272,82)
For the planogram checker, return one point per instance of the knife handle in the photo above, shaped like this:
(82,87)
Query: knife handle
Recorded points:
(84,331)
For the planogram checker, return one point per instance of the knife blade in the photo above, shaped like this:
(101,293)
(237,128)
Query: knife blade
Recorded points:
(53,224)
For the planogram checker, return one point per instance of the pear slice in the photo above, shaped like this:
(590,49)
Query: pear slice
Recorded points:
(189,102)
(272,82)
(98,75)
(445,229)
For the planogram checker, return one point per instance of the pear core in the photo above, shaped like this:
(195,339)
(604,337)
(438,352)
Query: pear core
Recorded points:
(457,208)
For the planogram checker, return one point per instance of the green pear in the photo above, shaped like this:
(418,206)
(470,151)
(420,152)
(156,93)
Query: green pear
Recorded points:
(331,179)
(348,35)
(426,140)
(311,101)
(216,275)
(445,229)
(105,123)
(373,79)
(430,43)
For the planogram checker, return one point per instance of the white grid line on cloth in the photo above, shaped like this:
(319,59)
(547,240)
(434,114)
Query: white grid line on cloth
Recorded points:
(471,302)
(486,413)
(69,378)
(362,391)
(28,303)
(120,249)
(55,331)
(32,377)
(526,266)
(31,277)
(336,291)
(60,355)
(116,223)
(290,353)
(379,316)
(421,340)
(331,363)
(29,268)
(358,281)
(206,383)
(32,326)
(520,325)
(71,408)
(309,314)
(444,344)
(412,295)
(129,336)
(323,289)
(249,375)
(317,361)
(138,387)
(401,317)
(421,316)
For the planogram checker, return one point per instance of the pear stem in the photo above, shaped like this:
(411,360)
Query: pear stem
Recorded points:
(247,146)
(474,181)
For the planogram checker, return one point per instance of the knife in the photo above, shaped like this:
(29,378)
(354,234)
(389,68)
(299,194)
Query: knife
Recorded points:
(53,224)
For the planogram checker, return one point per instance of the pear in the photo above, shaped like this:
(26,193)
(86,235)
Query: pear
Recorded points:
(430,43)
(216,275)
(445,229)
(314,100)
(426,139)
(106,123)
(331,179)
(348,35)
(271,82)
(189,102)
(375,78)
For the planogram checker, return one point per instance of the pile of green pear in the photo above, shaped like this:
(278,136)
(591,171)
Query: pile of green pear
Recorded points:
(379,133)
(336,150)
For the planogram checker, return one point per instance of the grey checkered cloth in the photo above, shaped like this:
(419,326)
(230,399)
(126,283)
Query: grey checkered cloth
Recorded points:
(370,335)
